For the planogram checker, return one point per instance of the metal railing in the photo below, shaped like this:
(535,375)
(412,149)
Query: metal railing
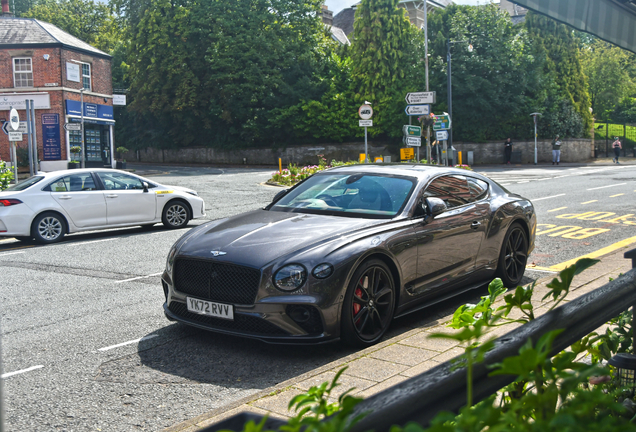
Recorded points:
(421,397)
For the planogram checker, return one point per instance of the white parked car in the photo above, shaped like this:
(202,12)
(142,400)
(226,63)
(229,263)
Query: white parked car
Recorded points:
(47,206)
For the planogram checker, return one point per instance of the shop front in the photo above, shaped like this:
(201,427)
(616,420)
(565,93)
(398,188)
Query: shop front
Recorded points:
(98,132)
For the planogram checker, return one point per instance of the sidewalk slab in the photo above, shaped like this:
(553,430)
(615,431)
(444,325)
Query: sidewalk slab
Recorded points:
(400,357)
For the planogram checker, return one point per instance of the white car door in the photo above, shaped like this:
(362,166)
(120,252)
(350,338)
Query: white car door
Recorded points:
(80,198)
(126,200)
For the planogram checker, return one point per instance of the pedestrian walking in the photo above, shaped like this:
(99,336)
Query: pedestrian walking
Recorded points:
(616,145)
(507,151)
(556,150)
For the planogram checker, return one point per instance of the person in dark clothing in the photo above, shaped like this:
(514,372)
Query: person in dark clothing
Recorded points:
(616,145)
(507,151)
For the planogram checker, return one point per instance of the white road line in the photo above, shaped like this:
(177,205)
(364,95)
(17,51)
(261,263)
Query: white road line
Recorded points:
(525,181)
(8,374)
(89,242)
(140,277)
(11,253)
(553,196)
(128,343)
(603,187)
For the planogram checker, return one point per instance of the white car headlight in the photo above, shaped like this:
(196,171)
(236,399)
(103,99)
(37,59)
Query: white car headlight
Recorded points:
(192,193)
(290,278)
(170,259)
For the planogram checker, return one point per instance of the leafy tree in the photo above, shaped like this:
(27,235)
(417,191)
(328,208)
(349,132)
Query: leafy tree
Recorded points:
(606,67)
(563,77)
(88,20)
(213,73)
(19,7)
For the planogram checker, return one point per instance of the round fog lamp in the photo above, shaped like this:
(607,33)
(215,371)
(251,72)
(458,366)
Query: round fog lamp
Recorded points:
(290,277)
(322,271)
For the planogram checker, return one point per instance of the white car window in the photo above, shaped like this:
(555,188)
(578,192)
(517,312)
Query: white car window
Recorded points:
(74,183)
(119,181)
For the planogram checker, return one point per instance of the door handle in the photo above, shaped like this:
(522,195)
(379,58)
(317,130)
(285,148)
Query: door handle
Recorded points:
(65,197)
(475,225)
(111,196)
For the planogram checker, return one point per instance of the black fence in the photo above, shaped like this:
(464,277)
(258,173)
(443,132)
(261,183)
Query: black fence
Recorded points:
(420,398)
(605,133)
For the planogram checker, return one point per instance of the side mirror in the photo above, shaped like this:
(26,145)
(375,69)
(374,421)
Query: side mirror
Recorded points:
(145,185)
(434,206)
(279,195)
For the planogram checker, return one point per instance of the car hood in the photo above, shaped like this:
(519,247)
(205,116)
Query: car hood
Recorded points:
(259,237)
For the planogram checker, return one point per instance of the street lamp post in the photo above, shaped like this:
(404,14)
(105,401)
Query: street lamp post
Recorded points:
(82,157)
(449,44)
(535,115)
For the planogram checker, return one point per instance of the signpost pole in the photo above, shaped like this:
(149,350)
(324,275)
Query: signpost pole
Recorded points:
(29,137)
(534,116)
(82,159)
(34,139)
(428,128)
(14,155)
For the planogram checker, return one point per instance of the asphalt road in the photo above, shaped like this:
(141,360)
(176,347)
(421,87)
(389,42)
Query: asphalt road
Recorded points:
(86,346)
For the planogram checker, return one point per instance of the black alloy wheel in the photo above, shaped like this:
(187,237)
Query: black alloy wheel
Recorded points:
(175,214)
(513,256)
(369,304)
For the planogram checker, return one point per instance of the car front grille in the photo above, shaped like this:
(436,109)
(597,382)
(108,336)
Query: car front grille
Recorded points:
(245,324)
(218,282)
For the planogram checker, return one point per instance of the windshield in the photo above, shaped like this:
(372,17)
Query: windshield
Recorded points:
(24,184)
(369,195)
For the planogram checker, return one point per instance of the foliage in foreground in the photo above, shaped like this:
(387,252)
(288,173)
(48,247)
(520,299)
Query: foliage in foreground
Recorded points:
(5,175)
(549,394)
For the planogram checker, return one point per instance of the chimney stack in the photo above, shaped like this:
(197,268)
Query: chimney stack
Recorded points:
(5,8)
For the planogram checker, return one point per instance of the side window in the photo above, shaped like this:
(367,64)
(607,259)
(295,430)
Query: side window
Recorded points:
(60,185)
(73,183)
(478,189)
(119,181)
(453,190)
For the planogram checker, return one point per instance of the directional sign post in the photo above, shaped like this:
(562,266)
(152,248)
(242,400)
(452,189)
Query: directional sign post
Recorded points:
(414,131)
(443,122)
(441,135)
(420,98)
(415,110)
(15,136)
(413,141)
(72,126)
(22,128)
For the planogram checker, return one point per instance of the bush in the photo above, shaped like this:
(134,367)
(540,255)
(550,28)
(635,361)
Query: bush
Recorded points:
(5,175)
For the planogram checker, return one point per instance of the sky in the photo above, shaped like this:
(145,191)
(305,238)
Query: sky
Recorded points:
(337,5)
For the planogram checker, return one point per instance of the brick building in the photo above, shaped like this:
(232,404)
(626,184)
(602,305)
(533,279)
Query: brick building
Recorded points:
(40,62)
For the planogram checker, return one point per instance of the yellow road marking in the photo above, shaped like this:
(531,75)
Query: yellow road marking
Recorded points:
(15,248)
(587,202)
(595,254)
(612,196)
(560,208)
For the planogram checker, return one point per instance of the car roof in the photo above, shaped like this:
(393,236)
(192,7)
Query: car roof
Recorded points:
(421,171)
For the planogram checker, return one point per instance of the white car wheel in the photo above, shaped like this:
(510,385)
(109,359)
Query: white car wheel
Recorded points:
(175,214)
(48,228)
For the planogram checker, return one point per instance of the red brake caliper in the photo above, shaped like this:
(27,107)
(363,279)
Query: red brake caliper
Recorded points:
(356,306)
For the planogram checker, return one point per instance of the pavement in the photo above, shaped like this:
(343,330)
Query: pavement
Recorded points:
(398,358)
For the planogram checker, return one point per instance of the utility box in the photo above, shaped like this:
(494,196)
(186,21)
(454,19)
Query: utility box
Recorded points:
(515,157)
(469,158)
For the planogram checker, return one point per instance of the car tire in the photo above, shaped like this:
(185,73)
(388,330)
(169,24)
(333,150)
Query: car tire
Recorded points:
(175,214)
(513,256)
(48,228)
(369,304)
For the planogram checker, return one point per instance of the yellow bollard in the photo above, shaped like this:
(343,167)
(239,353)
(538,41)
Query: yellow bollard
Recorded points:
(460,157)
(280,166)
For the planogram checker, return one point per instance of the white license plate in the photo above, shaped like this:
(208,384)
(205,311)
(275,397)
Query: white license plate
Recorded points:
(209,308)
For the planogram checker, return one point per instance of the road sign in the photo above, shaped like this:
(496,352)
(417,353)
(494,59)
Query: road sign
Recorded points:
(420,98)
(14,120)
(441,135)
(443,122)
(22,128)
(72,126)
(407,153)
(365,123)
(413,141)
(365,112)
(414,131)
(15,136)
(413,110)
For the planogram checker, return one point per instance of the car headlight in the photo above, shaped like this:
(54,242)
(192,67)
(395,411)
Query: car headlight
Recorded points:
(170,259)
(192,193)
(290,278)
(322,271)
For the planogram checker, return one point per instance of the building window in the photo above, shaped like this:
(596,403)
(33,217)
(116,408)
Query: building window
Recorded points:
(86,76)
(22,72)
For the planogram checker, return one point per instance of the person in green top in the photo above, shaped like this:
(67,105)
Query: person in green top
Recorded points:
(556,150)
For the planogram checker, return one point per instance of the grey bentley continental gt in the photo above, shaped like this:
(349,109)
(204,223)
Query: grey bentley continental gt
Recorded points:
(342,253)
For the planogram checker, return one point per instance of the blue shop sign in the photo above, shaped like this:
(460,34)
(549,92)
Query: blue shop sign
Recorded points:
(91,110)
(52,148)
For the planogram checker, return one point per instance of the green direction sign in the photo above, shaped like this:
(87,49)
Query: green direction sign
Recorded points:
(443,122)
(413,131)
